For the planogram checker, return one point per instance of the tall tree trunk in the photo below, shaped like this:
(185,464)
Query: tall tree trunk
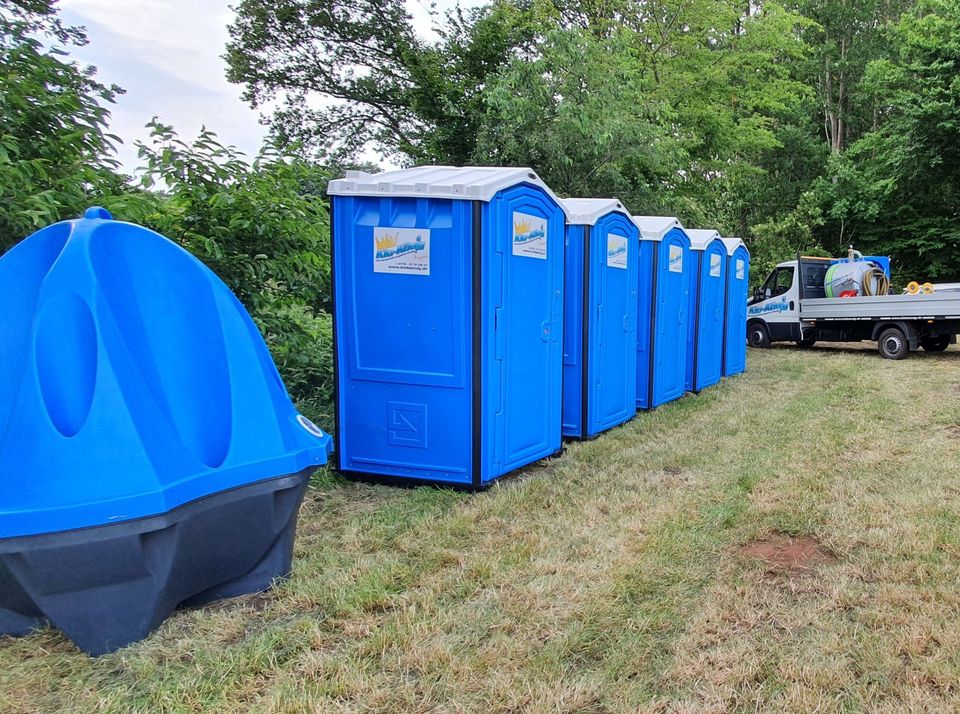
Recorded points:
(829,116)
(841,98)
(835,107)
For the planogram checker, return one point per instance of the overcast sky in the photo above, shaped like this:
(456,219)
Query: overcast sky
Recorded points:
(167,55)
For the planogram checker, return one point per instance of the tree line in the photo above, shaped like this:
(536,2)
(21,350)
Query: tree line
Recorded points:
(797,124)
(800,125)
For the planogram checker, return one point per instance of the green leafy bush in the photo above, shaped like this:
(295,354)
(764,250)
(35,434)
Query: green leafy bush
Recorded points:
(263,227)
(54,147)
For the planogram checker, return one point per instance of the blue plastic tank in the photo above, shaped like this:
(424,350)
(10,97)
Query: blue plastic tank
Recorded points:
(708,292)
(600,317)
(448,323)
(662,310)
(149,454)
(735,318)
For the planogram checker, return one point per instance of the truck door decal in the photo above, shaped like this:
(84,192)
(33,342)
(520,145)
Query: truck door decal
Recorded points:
(779,306)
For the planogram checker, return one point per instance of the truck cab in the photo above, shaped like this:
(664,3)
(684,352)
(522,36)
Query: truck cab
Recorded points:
(773,311)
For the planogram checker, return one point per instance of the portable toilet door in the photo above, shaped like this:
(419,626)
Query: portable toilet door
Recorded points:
(600,317)
(448,298)
(708,278)
(662,309)
(735,319)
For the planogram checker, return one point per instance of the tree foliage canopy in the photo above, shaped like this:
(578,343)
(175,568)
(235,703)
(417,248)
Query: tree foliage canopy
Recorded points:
(54,146)
(794,123)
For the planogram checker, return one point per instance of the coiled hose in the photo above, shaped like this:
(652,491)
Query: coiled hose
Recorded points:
(882,282)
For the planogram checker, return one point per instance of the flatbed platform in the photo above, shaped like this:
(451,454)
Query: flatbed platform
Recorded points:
(939,306)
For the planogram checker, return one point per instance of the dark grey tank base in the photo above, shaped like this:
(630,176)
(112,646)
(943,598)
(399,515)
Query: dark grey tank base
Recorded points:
(412,482)
(108,586)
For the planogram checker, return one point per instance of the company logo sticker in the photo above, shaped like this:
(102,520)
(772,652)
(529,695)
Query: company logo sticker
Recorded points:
(768,308)
(676,259)
(529,236)
(617,251)
(741,268)
(401,250)
(714,266)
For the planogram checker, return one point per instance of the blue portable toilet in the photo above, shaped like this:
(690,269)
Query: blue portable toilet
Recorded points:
(708,293)
(149,454)
(600,317)
(662,310)
(448,287)
(735,320)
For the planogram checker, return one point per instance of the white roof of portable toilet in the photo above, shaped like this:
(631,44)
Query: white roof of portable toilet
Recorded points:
(699,237)
(656,227)
(477,183)
(587,211)
(732,245)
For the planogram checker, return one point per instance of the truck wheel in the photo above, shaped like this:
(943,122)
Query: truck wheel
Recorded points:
(809,342)
(892,344)
(758,335)
(935,344)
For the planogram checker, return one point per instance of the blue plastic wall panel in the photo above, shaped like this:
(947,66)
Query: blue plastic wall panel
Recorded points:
(449,362)
(645,324)
(704,365)
(404,336)
(693,299)
(522,329)
(667,363)
(735,336)
(573,330)
(132,381)
(607,379)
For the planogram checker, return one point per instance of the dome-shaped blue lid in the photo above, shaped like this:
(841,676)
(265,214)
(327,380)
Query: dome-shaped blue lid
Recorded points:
(132,381)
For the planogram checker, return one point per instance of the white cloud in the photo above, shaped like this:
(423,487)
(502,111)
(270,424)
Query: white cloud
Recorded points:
(181,39)
(167,54)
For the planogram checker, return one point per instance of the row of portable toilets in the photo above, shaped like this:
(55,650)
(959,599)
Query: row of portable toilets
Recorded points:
(479,319)
(151,458)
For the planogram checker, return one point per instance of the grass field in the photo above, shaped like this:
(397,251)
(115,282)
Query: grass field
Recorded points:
(787,541)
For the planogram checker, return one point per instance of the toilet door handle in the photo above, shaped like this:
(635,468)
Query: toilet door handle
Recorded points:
(545,330)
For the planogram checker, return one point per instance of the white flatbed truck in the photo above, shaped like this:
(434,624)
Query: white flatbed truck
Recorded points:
(791,306)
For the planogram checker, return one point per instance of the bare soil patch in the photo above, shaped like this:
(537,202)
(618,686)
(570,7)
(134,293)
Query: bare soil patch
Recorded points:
(783,554)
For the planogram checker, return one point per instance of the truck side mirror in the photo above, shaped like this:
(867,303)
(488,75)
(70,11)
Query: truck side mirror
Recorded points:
(767,294)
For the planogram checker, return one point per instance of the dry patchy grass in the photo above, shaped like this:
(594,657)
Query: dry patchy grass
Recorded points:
(639,572)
